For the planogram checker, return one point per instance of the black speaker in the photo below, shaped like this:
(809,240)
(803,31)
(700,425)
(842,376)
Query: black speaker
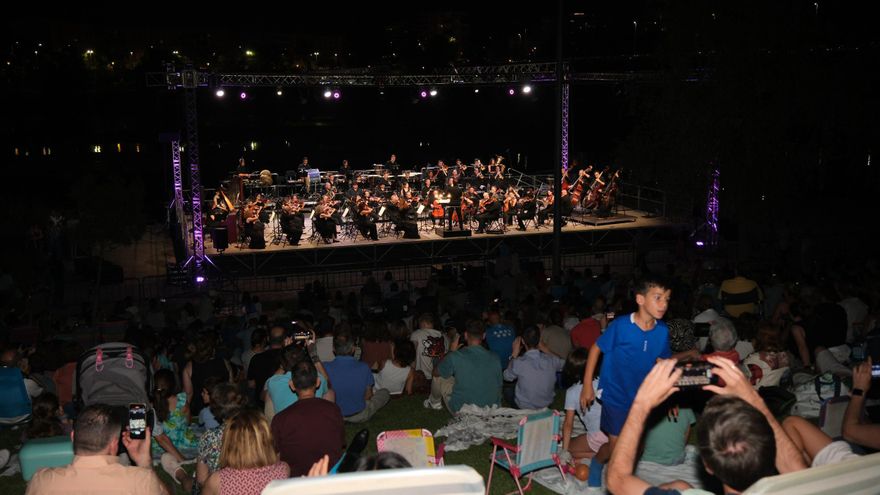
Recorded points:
(220,237)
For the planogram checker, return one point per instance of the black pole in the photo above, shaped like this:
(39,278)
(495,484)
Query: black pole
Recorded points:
(557,162)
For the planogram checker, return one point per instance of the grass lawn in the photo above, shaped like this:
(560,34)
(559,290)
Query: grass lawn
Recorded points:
(399,414)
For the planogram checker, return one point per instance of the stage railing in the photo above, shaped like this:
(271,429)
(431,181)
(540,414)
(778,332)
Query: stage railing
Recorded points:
(642,198)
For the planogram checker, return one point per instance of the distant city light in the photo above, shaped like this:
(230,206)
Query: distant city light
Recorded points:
(220,93)
(527,89)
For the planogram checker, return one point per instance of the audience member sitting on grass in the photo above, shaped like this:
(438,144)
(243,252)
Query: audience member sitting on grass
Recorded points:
(499,336)
(278,385)
(375,462)
(534,369)
(430,344)
(47,418)
(206,417)
(226,401)
(396,375)
(248,461)
(581,436)
(95,467)
(311,427)
(352,382)
(722,337)
(739,439)
(173,412)
(470,375)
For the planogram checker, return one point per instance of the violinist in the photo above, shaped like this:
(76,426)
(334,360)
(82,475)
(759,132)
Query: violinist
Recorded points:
(324,222)
(528,208)
(292,219)
(489,210)
(510,206)
(453,209)
(545,207)
(408,217)
(254,227)
(364,220)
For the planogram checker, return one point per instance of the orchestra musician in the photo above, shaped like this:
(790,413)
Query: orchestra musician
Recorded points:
(392,165)
(453,193)
(408,216)
(365,223)
(292,219)
(509,208)
(489,210)
(441,175)
(545,207)
(254,228)
(353,191)
(323,220)
(528,208)
(462,168)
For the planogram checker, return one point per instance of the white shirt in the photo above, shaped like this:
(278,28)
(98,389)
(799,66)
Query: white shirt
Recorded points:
(425,363)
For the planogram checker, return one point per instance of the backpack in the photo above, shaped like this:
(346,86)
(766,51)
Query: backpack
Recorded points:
(114,373)
(812,391)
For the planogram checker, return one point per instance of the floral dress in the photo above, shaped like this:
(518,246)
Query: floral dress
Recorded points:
(177,429)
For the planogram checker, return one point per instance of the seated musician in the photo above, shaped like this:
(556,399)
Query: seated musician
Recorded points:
(364,220)
(303,167)
(462,168)
(353,191)
(345,170)
(528,208)
(426,188)
(490,209)
(511,198)
(254,228)
(469,201)
(324,222)
(545,207)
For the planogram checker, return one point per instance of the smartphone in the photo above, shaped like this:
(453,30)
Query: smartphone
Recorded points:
(609,315)
(875,370)
(695,374)
(137,421)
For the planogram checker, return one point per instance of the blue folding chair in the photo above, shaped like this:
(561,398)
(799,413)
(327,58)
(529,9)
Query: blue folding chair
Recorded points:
(537,444)
(15,407)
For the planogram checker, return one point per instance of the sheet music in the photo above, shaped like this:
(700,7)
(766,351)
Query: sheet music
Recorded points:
(420,210)
(381,211)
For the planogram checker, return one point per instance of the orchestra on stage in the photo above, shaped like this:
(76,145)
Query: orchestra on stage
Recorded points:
(393,200)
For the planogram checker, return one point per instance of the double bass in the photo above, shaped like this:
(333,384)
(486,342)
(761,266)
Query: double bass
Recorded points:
(595,191)
(578,188)
(609,195)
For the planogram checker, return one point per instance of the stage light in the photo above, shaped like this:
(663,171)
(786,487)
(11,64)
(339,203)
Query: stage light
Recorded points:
(243,95)
(423,94)
(279,92)
(433,92)
(328,94)
(200,279)
(336,95)
(526,89)
(511,92)
(476,90)
(700,244)
(220,93)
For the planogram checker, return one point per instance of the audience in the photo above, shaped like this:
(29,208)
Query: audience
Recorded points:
(311,427)
(353,383)
(248,461)
(396,375)
(534,370)
(581,435)
(95,467)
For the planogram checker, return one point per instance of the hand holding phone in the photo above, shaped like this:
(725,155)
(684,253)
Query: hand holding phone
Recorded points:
(137,421)
(695,374)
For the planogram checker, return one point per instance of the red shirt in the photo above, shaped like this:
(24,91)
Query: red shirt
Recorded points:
(585,333)
(305,431)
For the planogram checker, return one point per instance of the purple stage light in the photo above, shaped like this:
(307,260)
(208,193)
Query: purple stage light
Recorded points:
(423,94)
(200,279)
(700,244)
(336,95)
(511,91)
(243,95)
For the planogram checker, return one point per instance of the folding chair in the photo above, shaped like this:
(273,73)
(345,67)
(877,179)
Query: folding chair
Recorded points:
(416,446)
(537,443)
(15,408)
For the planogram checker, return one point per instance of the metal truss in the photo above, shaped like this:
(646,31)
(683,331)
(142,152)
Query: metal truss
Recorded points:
(178,189)
(192,149)
(566,88)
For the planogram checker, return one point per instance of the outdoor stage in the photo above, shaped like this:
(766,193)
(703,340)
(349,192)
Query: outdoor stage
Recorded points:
(626,231)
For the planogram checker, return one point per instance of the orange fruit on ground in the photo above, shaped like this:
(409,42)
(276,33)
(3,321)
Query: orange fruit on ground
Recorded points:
(582,472)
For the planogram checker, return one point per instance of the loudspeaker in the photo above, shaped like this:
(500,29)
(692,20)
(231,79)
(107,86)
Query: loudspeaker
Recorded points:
(220,237)
(451,233)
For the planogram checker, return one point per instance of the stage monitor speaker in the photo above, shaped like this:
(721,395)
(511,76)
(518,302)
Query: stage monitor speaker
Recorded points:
(451,233)
(221,238)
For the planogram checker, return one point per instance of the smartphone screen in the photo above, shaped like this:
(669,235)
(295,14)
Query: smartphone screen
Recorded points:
(875,370)
(137,420)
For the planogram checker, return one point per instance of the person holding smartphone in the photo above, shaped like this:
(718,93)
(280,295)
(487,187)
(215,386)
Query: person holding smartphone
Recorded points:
(95,467)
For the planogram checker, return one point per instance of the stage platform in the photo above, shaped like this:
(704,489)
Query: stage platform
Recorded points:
(581,234)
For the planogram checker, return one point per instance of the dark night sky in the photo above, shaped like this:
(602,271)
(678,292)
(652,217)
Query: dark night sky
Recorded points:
(788,106)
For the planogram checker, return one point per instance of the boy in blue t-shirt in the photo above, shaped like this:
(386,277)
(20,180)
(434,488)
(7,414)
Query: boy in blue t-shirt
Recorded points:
(631,345)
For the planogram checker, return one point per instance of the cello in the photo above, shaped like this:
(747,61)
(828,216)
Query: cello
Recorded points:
(595,191)
(609,195)
(578,188)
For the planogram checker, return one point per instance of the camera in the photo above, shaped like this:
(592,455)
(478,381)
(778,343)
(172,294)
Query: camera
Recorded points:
(137,421)
(695,374)
(301,336)
(609,315)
